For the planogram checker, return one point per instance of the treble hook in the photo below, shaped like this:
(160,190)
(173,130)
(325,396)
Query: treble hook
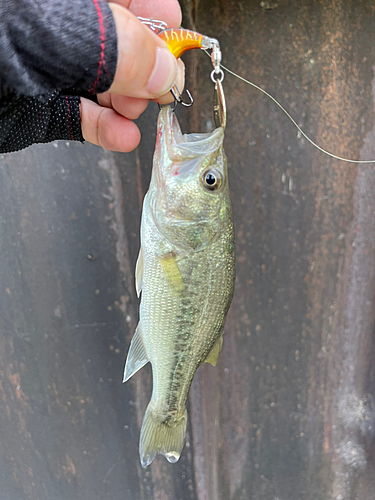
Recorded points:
(153,24)
(220,109)
(175,91)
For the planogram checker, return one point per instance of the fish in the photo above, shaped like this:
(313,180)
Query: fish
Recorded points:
(185,274)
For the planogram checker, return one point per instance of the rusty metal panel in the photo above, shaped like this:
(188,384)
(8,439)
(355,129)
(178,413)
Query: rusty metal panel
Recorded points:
(289,411)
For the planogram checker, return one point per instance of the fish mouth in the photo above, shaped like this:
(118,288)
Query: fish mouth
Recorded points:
(179,147)
(177,153)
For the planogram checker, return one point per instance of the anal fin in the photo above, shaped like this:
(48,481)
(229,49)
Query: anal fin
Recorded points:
(137,356)
(215,351)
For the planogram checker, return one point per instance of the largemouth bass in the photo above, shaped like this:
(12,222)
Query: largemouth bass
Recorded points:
(186,273)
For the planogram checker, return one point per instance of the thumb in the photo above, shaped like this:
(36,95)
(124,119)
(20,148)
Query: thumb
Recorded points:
(145,66)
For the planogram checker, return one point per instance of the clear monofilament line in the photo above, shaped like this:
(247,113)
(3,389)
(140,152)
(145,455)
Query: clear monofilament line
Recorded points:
(292,119)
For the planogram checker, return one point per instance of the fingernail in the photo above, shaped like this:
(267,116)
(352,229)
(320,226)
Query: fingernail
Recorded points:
(163,74)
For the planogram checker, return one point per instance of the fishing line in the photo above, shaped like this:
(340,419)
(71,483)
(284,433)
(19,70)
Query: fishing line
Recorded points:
(292,119)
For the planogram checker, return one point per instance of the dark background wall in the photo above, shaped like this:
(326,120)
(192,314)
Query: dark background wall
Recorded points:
(289,411)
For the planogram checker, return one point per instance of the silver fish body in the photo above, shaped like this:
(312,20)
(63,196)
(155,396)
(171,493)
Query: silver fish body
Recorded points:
(186,273)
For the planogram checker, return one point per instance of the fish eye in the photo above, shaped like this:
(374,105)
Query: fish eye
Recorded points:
(212,180)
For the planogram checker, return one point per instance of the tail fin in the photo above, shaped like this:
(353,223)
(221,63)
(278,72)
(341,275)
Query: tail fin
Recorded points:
(166,438)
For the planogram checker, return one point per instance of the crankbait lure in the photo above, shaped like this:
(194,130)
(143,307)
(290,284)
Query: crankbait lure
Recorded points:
(179,41)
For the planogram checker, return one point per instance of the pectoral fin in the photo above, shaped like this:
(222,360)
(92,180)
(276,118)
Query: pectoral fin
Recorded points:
(137,356)
(215,351)
(139,272)
(170,267)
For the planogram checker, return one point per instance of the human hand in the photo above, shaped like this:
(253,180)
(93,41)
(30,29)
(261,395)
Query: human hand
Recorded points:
(145,70)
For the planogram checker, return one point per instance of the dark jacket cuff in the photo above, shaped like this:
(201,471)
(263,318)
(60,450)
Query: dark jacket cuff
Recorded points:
(64,121)
(30,120)
(55,45)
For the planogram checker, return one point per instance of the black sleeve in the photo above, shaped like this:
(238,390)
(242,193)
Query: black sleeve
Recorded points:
(30,120)
(56,44)
(45,47)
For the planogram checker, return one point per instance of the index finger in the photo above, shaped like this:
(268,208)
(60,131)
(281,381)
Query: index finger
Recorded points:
(163,10)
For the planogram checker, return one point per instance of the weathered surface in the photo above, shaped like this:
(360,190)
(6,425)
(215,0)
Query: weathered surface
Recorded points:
(289,411)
